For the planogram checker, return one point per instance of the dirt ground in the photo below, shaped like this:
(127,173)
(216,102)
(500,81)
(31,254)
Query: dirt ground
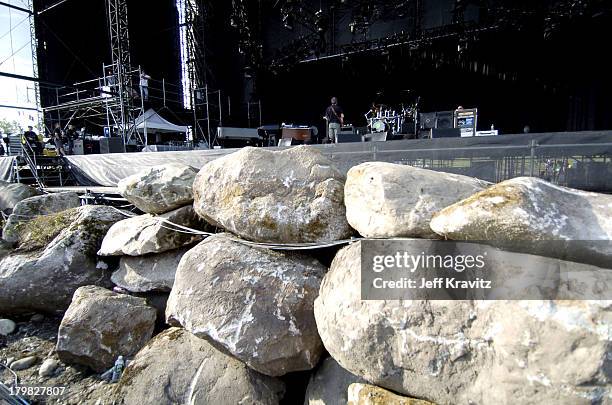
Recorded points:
(38,339)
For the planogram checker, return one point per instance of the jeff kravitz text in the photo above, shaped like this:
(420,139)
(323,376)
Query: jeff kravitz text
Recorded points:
(405,262)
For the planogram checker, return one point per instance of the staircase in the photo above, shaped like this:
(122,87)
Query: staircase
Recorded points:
(43,171)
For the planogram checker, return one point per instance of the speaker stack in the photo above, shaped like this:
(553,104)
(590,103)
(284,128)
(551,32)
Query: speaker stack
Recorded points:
(439,124)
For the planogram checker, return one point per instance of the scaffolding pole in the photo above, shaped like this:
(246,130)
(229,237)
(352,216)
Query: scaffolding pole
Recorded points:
(122,66)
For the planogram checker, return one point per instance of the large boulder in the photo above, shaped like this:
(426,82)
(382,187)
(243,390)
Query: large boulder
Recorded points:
(153,272)
(175,367)
(329,384)
(144,234)
(159,189)
(57,257)
(366,394)
(101,325)
(12,193)
(466,352)
(255,303)
(530,209)
(384,200)
(294,195)
(35,206)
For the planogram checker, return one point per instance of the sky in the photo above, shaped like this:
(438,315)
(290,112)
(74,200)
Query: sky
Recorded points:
(16,57)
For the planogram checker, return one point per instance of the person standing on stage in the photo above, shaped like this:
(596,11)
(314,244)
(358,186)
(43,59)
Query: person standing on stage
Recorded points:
(31,138)
(57,140)
(144,85)
(334,115)
(71,135)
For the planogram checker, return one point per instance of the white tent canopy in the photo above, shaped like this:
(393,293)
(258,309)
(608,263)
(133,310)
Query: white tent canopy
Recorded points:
(153,122)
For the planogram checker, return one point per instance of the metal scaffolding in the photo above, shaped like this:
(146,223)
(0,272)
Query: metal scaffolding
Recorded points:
(197,93)
(34,47)
(122,110)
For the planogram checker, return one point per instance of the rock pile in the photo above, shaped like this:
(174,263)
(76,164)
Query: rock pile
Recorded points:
(531,209)
(101,325)
(32,207)
(12,193)
(55,256)
(241,317)
(192,371)
(291,196)
(256,303)
(160,189)
(147,234)
(385,200)
(475,351)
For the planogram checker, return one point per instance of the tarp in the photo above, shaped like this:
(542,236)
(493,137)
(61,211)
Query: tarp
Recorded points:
(492,158)
(156,123)
(108,169)
(6,168)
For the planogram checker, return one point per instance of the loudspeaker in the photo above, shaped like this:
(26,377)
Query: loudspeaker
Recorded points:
(111,145)
(346,137)
(376,137)
(428,120)
(78,148)
(446,133)
(445,119)
(425,134)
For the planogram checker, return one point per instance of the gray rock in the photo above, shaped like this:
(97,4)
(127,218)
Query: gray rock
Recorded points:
(159,189)
(12,193)
(7,327)
(157,300)
(176,367)
(36,318)
(329,384)
(148,273)
(293,195)
(5,248)
(144,234)
(101,325)
(60,258)
(48,367)
(255,303)
(463,352)
(24,364)
(530,209)
(32,207)
(366,394)
(385,200)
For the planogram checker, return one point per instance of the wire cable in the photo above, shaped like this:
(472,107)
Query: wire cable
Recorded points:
(271,246)
(13,27)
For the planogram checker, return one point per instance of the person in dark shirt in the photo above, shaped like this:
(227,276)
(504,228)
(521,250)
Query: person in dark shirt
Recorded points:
(57,140)
(334,115)
(71,135)
(31,138)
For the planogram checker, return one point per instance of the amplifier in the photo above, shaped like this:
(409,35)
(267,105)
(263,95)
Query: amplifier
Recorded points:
(111,145)
(78,148)
(346,137)
(376,137)
(445,119)
(237,133)
(427,120)
(298,134)
(446,133)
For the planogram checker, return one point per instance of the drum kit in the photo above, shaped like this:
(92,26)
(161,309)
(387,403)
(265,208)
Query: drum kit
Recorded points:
(385,119)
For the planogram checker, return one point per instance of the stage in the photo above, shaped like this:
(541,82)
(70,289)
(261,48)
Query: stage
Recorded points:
(576,159)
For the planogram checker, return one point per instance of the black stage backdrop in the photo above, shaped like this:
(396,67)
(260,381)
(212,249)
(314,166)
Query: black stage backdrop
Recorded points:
(514,74)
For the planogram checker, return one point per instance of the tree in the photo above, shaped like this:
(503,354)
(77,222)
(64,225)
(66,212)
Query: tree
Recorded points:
(9,127)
